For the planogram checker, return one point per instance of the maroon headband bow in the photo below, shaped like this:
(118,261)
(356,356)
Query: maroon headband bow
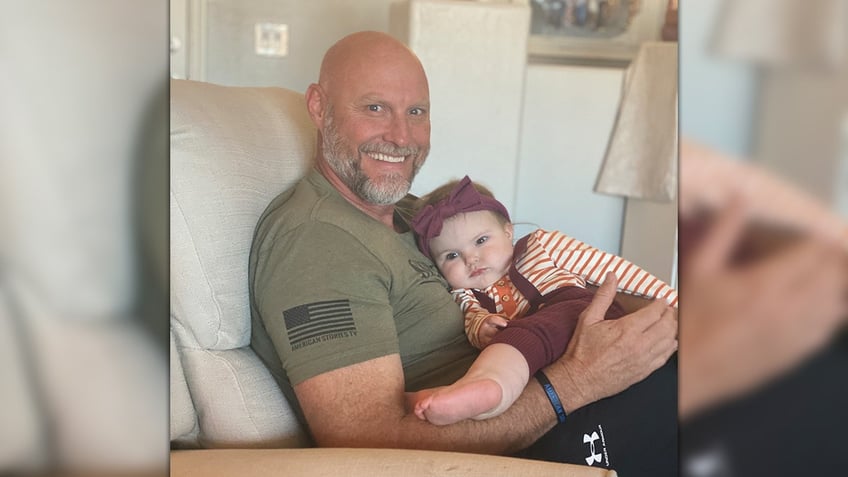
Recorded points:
(428,222)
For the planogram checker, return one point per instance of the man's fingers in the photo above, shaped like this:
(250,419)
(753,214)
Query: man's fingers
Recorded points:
(817,295)
(602,300)
(648,316)
(798,265)
(663,354)
(655,329)
(664,329)
(720,239)
(661,339)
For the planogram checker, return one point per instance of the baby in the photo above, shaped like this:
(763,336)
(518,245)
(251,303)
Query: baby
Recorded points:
(541,279)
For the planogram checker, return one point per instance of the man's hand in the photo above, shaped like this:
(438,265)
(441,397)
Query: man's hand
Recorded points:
(746,324)
(606,357)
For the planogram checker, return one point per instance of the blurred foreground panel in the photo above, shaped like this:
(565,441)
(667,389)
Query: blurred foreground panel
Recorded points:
(83,169)
(763,238)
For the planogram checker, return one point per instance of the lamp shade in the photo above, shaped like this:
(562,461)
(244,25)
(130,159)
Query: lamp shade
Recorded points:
(641,157)
(784,32)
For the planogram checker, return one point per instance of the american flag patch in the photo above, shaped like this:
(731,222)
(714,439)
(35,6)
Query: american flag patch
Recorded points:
(319,321)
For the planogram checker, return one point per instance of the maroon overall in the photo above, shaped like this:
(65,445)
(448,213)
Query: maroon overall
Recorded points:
(543,333)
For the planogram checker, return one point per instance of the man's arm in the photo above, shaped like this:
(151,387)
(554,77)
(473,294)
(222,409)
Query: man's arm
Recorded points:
(363,405)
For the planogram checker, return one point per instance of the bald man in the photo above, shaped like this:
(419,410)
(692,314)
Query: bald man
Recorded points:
(357,317)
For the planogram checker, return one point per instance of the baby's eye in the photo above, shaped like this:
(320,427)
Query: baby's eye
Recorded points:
(451,255)
(482,239)
(375,108)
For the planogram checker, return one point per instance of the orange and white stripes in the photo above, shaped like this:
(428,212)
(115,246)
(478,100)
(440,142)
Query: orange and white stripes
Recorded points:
(552,257)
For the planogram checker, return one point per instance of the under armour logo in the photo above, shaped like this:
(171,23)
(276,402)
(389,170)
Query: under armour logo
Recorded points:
(590,439)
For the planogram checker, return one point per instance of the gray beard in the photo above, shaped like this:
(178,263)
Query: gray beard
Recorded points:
(383,190)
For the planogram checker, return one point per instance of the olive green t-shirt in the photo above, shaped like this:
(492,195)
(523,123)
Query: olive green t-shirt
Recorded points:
(331,287)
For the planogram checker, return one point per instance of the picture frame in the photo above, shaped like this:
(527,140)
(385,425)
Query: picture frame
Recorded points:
(592,31)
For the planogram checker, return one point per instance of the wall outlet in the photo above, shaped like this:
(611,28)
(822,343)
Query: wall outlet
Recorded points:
(271,39)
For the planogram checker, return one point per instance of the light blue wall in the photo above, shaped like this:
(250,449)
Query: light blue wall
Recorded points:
(717,95)
(313,26)
(567,119)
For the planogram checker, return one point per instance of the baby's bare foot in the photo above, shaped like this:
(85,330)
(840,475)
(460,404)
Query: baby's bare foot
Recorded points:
(461,400)
(420,408)
(413,399)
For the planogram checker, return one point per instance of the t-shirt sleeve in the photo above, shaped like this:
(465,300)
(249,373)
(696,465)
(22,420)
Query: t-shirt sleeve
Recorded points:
(323,297)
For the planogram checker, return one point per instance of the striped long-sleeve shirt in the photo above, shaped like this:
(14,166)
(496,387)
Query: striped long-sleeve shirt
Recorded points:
(553,260)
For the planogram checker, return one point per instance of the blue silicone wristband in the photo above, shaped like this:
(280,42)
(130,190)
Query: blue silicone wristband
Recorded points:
(552,396)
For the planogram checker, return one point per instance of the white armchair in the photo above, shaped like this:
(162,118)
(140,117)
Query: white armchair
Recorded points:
(232,150)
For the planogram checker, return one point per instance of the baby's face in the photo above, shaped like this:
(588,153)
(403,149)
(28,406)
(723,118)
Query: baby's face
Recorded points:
(474,249)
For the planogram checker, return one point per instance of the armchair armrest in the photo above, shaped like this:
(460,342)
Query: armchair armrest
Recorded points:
(314,462)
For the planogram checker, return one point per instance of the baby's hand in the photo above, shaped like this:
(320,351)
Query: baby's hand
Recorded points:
(491,325)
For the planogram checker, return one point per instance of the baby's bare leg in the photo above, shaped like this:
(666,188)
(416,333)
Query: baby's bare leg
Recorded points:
(491,385)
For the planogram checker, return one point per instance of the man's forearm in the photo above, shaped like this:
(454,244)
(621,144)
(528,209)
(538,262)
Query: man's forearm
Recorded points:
(343,413)
(528,419)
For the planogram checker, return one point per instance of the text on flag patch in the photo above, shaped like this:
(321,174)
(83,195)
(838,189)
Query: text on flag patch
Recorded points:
(320,321)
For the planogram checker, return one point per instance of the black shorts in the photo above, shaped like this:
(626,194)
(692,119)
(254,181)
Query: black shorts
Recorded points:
(633,432)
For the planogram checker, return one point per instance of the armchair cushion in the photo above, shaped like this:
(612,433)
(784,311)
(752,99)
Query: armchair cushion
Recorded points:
(239,402)
(183,418)
(232,150)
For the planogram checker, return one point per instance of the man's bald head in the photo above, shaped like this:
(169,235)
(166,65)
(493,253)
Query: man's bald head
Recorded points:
(365,50)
